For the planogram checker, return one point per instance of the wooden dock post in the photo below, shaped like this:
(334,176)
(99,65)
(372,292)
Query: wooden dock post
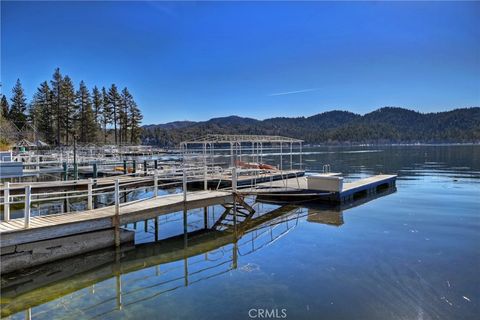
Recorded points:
(75,171)
(95,171)
(117,213)
(28,200)
(281,156)
(205,181)
(155,183)
(134,169)
(65,171)
(155,163)
(145,167)
(234,179)
(124,166)
(184,183)
(6,201)
(205,217)
(90,195)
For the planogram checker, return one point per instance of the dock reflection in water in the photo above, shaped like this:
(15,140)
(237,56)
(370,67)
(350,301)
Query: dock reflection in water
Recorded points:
(105,281)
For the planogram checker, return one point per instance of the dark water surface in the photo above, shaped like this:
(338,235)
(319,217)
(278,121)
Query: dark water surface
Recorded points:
(410,254)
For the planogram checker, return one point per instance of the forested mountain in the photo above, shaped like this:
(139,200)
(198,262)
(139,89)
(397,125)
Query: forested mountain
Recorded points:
(59,113)
(385,125)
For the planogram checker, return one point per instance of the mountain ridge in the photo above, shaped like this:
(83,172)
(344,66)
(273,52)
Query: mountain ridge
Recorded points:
(384,125)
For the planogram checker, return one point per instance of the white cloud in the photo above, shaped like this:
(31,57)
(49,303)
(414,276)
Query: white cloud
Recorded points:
(292,92)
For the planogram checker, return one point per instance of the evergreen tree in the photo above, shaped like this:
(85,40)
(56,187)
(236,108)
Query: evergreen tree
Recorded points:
(69,108)
(4,107)
(86,126)
(126,102)
(19,106)
(135,120)
(97,104)
(114,100)
(107,113)
(42,112)
(59,114)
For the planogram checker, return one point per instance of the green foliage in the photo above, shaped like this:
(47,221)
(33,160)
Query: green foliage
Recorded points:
(42,113)
(4,107)
(114,102)
(107,114)
(19,106)
(85,117)
(97,104)
(61,114)
(69,109)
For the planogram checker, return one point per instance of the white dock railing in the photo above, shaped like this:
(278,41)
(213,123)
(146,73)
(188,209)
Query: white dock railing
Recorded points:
(149,180)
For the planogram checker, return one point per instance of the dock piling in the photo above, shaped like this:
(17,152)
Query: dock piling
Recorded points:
(234,179)
(6,202)
(65,171)
(184,184)
(117,197)
(28,200)
(205,180)
(116,219)
(155,183)
(90,195)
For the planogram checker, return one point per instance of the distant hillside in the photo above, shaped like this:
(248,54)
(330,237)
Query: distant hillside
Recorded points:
(385,125)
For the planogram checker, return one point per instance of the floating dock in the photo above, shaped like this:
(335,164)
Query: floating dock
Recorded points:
(297,189)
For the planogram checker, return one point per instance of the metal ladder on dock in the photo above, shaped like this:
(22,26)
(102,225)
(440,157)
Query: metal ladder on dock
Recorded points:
(235,213)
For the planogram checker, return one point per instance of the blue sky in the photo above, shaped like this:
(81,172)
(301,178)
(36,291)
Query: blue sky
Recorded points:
(194,61)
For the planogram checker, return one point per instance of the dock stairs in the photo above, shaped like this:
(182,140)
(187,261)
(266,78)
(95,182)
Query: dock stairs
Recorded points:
(240,210)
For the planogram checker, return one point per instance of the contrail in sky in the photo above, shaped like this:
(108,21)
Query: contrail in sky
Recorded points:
(292,92)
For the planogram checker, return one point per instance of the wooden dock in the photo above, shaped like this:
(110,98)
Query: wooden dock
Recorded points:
(14,233)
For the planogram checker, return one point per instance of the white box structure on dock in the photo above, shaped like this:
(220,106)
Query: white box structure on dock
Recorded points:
(325,183)
(8,167)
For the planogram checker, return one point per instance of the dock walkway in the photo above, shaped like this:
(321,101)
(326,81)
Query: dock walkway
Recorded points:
(13,232)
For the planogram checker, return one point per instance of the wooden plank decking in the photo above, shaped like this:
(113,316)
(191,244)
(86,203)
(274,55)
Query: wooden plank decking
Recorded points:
(13,232)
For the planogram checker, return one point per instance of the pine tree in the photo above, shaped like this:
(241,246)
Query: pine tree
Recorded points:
(135,119)
(69,108)
(97,104)
(114,100)
(126,101)
(19,106)
(42,112)
(4,107)
(107,113)
(57,99)
(86,125)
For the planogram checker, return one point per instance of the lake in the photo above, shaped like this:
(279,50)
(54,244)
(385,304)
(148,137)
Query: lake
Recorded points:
(411,253)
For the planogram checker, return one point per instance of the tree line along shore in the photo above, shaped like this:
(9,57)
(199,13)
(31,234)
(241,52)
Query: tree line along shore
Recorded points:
(59,113)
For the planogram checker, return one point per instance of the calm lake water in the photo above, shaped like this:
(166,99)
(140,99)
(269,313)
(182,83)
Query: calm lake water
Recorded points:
(412,253)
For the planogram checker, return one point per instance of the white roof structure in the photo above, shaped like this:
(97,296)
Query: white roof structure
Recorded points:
(235,139)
